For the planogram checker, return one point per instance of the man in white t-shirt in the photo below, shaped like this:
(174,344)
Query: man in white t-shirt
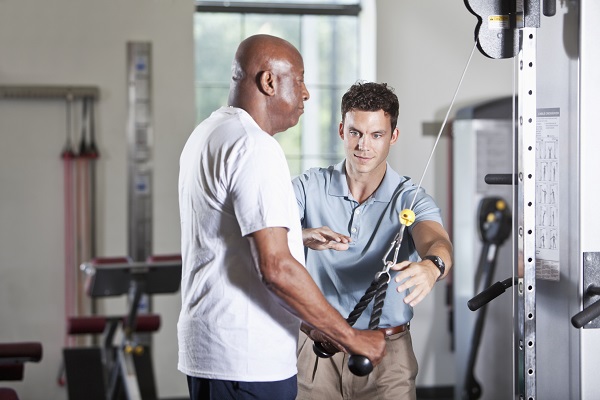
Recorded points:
(244,286)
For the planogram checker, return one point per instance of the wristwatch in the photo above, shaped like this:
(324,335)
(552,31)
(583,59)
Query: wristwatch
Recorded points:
(438,263)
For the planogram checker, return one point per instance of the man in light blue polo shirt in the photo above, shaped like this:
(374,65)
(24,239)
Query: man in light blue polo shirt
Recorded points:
(349,214)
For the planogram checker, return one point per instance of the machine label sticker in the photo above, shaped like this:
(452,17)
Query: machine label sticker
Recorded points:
(547,243)
(498,22)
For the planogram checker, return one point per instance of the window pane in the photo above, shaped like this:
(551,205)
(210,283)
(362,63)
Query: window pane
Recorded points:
(329,46)
(209,99)
(335,41)
(320,144)
(283,26)
(217,36)
(290,141)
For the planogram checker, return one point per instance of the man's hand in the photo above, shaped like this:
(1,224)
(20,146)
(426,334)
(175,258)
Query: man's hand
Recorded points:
(429,238)
(421,276)
(368,343)
(324,238)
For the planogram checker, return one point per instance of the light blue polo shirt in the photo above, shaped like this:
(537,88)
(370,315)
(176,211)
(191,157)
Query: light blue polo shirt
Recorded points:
(343,276)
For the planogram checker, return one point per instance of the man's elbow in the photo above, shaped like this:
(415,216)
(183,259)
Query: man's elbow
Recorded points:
(274,274)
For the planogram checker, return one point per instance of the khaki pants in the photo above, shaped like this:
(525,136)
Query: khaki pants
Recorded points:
(330,379)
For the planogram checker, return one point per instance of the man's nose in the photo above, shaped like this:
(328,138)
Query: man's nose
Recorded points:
(362,142)
(305,94)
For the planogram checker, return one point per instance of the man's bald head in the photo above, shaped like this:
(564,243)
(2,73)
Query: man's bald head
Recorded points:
(267,81)
(258,53)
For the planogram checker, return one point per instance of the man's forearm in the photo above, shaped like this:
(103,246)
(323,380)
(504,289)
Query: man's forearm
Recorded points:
(431,239)
(292,283)
(301,296)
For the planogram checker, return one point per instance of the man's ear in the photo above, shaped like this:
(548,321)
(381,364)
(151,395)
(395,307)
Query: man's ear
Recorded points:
(266,82)
(341,130)
(395,134)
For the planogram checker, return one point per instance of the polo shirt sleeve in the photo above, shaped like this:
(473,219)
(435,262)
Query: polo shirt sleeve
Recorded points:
(299,183)
(259,185)
(425,207)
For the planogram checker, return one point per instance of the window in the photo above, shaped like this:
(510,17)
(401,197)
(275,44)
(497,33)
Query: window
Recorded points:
(328,36)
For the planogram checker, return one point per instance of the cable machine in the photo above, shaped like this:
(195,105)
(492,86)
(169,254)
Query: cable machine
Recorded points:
(556,224)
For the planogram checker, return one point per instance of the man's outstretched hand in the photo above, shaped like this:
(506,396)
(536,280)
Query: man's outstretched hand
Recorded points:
(324,238)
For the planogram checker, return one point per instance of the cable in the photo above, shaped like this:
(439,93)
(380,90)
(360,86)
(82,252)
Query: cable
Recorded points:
(443,124)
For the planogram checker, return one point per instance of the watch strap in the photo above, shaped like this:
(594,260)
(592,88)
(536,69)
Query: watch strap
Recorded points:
(439,263)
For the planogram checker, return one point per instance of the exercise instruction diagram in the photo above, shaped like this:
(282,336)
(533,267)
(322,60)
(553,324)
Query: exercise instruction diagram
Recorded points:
(547,175)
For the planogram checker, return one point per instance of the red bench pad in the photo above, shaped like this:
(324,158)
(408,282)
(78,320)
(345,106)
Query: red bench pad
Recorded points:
(97,324)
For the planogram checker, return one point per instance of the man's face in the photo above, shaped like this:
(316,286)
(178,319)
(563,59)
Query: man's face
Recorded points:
(367,137)
(288,103)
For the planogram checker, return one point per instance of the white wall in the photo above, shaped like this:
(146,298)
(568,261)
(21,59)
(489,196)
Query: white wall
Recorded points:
(83,42)
(422,49)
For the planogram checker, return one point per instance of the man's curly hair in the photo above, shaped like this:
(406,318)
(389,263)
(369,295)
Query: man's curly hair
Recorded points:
(370,96)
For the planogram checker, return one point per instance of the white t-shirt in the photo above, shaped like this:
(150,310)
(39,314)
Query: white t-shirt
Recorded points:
(233,181)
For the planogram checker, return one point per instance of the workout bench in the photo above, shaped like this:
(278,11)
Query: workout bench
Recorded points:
(13,357)
(124,370)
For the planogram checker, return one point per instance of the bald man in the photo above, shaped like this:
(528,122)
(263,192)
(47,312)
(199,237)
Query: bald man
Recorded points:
(244,285)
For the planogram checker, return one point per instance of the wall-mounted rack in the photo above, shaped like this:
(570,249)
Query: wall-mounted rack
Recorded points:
(48,91)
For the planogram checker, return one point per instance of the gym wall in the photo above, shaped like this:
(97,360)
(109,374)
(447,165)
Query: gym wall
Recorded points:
(84,43)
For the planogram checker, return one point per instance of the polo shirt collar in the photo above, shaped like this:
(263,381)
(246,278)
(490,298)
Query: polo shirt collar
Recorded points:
(384,193)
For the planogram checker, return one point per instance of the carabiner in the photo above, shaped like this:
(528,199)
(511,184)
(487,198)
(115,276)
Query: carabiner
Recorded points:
(385,270)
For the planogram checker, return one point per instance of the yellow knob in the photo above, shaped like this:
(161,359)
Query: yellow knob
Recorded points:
(407,217)
(139,350)
(128,349)
(500,205)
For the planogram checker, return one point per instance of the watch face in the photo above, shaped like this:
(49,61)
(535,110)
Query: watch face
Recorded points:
(440,263)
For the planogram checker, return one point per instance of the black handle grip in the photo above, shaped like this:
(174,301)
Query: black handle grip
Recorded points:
(360,365)
(549,8)
(320,350)
(586,315)
(489,294)
(499,179)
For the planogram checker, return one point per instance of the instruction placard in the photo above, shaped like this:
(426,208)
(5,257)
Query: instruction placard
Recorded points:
(547,230)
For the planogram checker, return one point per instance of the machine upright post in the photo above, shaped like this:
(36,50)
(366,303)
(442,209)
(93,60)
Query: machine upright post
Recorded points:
(525,265)
(140,144)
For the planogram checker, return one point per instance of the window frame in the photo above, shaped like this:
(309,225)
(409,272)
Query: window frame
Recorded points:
(239,7)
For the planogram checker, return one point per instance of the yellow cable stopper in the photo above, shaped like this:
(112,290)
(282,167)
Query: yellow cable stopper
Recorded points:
(500,205)
(407,217)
